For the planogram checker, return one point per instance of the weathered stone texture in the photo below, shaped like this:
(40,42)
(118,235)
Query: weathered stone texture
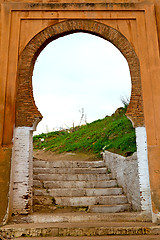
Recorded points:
(125,170)
(132,174)
(22,171)
(132,26)
(145,195)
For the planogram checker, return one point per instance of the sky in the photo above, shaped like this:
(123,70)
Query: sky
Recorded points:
(75,72)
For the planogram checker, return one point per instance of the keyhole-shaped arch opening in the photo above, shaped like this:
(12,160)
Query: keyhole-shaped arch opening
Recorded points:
(79,71)
(26,110)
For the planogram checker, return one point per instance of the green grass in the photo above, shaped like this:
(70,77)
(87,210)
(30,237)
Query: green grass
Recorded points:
(114,133)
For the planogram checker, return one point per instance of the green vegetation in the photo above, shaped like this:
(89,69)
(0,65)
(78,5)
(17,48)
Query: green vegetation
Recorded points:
(113,133)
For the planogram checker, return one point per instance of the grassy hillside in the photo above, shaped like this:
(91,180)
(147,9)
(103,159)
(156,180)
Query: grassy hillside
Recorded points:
(113,133)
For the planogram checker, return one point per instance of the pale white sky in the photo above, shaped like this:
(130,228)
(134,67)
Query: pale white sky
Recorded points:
(79,71)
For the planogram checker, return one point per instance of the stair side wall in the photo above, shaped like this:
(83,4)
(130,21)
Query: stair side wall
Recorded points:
(125,170)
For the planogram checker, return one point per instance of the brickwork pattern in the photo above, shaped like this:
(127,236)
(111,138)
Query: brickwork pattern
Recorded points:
(26,110)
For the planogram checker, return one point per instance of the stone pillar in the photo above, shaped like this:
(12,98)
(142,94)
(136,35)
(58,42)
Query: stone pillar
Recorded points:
(22,171)
(145,195)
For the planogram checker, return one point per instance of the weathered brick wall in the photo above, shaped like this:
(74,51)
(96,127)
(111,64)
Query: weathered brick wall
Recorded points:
(26,110)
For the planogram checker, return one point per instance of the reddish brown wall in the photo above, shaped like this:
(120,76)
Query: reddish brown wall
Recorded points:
(139,24)
(5,166)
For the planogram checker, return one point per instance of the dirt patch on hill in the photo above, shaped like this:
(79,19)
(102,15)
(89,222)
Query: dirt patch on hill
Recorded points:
(69,156)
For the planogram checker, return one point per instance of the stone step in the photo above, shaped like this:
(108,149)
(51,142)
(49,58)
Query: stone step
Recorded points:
(68,164)
(73,177)
(109,208)
(123,237)
(70,170)
(79,217)
(78,229)
(76,184)
(80,201)
(43,201)
(74,192)
(90,200)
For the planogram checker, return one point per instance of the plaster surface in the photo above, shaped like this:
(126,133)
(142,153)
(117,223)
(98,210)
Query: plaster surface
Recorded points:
(26,28)
(22,171)
(145,195)
(125,170)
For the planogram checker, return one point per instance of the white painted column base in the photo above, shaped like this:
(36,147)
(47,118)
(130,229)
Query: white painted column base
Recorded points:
(156,218)
(145,195)
(22,171)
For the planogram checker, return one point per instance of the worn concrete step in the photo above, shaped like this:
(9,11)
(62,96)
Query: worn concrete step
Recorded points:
(74,192)
(73,177)
(78,229)
(79,201)
(124,237)
(70,170)
(109,208)
(90,200)
(76,184)
(43,201)
(79,217)
(68,164)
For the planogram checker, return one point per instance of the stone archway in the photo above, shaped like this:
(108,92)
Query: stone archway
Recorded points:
(27,114)
(26,110)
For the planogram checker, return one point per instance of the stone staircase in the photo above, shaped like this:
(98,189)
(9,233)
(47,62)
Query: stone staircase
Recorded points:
(78,185)
(72,186)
